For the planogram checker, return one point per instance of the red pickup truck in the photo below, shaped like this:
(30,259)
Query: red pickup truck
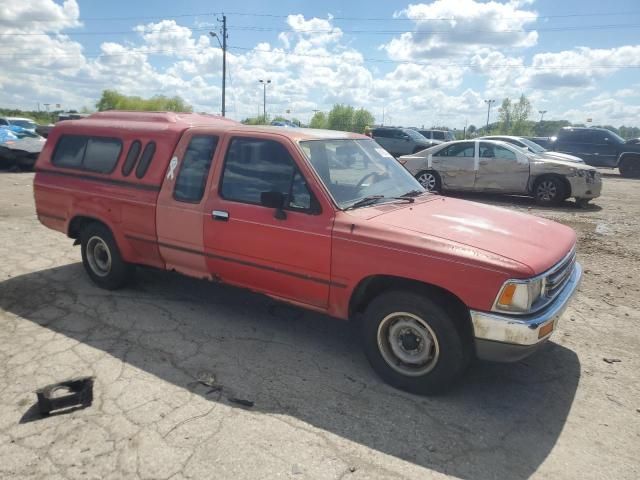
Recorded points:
(322,219)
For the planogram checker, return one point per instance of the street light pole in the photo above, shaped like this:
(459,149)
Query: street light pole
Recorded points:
(541,112)
(264,99)
(488,102)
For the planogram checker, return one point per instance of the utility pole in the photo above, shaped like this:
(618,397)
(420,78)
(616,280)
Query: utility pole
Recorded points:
(223,45)
(488,102)
(383,116)
(264,99)
(541,112)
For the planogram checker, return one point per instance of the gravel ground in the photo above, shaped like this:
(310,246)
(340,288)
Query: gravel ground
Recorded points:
(319,411)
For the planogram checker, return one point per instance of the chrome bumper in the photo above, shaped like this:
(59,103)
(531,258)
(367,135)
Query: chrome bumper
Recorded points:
(508,338)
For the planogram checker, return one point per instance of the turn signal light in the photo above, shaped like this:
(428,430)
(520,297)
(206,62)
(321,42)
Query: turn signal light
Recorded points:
(507,294)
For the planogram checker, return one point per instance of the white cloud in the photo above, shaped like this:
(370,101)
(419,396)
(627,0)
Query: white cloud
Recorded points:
(459,27)
(38,16)
(580,67)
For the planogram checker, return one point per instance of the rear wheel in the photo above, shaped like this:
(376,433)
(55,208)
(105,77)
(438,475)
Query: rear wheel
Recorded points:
(430,180)
(413,343)
(101,258)
(630,167)
(549,191)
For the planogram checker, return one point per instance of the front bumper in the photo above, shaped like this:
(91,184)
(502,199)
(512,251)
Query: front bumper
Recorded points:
(587,186)
(509,338)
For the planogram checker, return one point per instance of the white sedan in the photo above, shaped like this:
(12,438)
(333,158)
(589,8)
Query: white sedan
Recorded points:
(499,167)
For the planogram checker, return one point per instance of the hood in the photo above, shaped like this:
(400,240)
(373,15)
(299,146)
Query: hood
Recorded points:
(531,242)
(559,163)
(561,156)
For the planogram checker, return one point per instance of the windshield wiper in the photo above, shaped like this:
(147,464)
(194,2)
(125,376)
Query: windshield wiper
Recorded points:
(413,193)
(370,200)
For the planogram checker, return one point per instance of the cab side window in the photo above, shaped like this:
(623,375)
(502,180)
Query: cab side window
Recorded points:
(194,168)
(256,166)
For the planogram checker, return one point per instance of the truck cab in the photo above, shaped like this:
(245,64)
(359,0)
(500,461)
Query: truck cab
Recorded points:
(325,220)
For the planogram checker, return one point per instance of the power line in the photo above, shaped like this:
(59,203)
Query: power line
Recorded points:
(335,30)
(364,59)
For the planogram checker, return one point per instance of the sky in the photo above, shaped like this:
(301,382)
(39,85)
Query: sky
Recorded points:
(411,64)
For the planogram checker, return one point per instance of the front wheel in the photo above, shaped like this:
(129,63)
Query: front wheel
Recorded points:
(430,180)
(549,191)
(413,343)
(101,258)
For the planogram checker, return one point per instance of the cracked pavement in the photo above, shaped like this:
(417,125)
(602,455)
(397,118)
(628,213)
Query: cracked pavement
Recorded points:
(319,411)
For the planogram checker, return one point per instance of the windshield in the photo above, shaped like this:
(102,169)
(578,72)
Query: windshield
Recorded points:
(533,146)
(617,137)
(355,169)
(415,135)
(23,123)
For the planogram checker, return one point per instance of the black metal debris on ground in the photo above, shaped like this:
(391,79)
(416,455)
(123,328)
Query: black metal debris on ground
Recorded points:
(76,392)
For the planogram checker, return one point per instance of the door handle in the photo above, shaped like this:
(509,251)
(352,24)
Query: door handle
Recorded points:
(220,215)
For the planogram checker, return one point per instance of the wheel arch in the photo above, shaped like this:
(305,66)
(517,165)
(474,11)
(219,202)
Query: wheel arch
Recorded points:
(78,222)
(375,285)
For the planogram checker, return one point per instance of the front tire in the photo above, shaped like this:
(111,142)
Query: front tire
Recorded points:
(101,258)
(630,167)
(549,191)
(430,180)
(413,343)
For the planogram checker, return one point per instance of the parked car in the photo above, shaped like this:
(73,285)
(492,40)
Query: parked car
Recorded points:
(284,123)
(19,147)
(21,122)
(441,135)
(534,148)
(435,281)
(544,142)
(601,148)
(401,141)
(494,166)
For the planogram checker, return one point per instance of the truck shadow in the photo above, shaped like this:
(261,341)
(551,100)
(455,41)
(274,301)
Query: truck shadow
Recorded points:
(502,421)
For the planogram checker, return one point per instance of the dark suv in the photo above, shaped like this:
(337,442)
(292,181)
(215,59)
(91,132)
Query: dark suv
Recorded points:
(601,148)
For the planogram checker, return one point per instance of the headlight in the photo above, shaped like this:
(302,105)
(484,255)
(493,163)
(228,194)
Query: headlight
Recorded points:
(581,173)
(517,296)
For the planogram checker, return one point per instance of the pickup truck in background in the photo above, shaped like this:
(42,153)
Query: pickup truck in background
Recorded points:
(599,147)
(325,220)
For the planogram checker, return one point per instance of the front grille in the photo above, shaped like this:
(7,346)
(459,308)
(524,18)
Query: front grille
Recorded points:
(559,275)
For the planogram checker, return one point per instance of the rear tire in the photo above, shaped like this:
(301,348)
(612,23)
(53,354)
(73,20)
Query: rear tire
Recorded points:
(430,180)
(630,167)
(413,343)
(101,258)
(549,191)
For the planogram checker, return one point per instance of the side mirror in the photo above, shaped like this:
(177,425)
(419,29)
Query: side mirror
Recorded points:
(274,200)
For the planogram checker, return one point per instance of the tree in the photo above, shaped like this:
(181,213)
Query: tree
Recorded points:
(319,120)
(362,118)
(259,120)
(340,118)
(471,130)
(113,100)
(514,117)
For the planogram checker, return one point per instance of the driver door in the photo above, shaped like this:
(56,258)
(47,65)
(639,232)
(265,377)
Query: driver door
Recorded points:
(248,244)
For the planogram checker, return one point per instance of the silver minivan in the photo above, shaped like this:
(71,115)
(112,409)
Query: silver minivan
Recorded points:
(401,141)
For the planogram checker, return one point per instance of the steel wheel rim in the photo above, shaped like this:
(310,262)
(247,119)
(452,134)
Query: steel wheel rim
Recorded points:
(408,344)
(99,256)
(428,181)
(547,190)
